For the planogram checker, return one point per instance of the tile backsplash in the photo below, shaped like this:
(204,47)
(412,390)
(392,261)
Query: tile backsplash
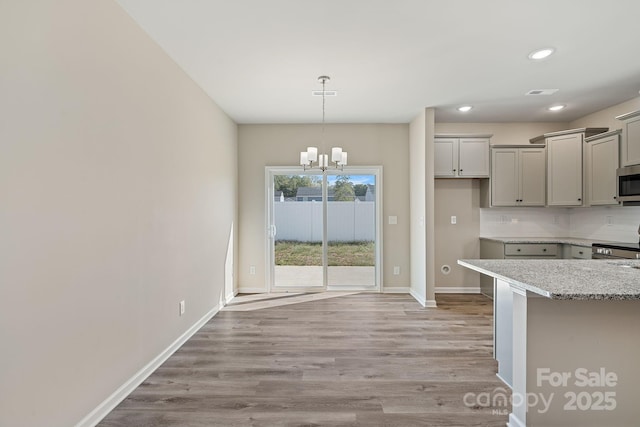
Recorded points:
(613,223)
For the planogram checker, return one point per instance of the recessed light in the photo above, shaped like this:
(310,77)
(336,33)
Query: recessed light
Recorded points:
(465,108)
(556,107)
(541,53)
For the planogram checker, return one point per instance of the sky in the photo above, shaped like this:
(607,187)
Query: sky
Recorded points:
(355,179)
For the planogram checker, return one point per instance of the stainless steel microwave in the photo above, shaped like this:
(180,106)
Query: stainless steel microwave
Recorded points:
(629,183)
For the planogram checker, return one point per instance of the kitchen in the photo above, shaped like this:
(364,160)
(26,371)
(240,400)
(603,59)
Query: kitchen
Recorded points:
(557,319)
(461,198)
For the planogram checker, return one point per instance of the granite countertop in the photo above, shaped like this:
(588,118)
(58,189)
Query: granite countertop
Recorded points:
(566,279)
(561,240)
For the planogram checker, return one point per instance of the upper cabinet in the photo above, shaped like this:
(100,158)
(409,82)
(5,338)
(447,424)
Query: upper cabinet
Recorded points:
(458,156)
(565,165)
(602,160)
(630,150)
(518,176)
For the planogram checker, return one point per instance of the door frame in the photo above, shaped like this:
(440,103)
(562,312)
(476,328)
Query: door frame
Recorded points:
(270,172)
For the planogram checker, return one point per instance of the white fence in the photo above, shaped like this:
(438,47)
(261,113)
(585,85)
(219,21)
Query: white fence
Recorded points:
(347,221)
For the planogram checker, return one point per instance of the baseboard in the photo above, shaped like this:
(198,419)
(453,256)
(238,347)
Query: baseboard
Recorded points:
(103,409)
(457,290)
(514,421)
(243,290)
(430,303)
(396,290)
(421,300)
(229,297)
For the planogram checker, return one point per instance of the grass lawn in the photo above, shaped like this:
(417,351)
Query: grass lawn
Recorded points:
(340,253)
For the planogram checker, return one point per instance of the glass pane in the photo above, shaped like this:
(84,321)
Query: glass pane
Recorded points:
(297,215)
(351,230)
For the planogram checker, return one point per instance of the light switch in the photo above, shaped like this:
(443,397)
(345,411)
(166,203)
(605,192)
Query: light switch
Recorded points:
(393,220)
(454,219)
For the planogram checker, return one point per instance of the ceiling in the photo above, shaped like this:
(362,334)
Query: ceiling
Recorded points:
(259,60)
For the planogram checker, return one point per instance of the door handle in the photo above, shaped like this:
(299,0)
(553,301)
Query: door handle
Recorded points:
(272,231)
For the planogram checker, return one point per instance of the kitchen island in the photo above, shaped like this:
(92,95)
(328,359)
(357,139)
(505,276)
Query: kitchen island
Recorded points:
(567,339)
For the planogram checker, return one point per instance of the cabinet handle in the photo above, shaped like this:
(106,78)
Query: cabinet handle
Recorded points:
(544,250)
(615,197)
(580,252)
(460,170)
(518,250)
(454,170)
(579,200)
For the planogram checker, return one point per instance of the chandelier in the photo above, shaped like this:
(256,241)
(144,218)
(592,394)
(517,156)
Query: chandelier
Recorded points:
(311,158)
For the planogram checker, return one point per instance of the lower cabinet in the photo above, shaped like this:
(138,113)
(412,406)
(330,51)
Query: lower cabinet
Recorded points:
(577,252)
(490,249)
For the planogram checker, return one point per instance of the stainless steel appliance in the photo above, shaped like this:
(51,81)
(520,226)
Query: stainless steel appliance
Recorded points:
(628,184)
(615,251)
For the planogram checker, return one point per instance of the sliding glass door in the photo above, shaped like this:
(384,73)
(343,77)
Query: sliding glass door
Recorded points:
(351,231)
(323,229)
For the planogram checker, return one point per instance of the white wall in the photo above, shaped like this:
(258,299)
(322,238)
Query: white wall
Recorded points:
(118,193)
(525,222)
(280,145)
(418,204)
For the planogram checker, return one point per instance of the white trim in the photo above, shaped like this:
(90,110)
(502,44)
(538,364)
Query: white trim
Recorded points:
(431,303)
(247,290)
(230,297)
(396,290)
(421,300)
(269,174)
(457,290)
(103,409)
(514,421)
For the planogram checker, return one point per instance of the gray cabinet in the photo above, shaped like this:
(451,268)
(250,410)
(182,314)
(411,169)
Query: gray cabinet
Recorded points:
(493,249)
(518,176)
(565,165)
(461,157)
(579,252)
(564,170)
(630,152)
(602,160)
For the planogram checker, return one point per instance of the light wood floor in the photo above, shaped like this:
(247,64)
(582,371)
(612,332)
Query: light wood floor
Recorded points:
(349,360)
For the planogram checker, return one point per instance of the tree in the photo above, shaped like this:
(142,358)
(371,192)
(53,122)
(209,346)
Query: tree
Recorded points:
(289,184)
(360,190)
(343,189)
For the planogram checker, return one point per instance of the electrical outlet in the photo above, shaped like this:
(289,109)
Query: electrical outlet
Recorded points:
(609,219)
(396,270)
(181,307)
(252,270)
(393,220)
(454,219)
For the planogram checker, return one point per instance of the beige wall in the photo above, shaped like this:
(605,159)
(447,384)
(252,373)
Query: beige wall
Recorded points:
(118,189)
(459,198)
(607,117)
(503,133)
(280,145)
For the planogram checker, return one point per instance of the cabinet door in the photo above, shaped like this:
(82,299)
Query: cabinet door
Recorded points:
(564,170)
(504,177)
(631,144)
(473,155)
(445,157)
(533,174)
(603,162)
